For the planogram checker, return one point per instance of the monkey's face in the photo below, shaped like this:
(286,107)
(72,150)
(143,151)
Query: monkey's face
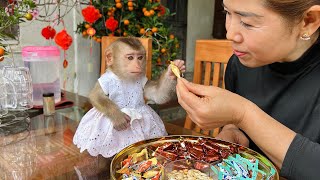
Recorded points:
(131,63)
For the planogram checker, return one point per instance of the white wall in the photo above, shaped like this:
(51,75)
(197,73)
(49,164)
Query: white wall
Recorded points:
(83,69)
(200,23)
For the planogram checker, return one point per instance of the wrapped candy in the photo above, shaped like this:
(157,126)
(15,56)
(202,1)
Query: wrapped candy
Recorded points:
(150,174)
(142,165)
(240,168)
(175,69)
(137,157)
(224,160)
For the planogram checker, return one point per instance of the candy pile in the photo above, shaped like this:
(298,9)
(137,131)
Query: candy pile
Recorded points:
(203,149)
(225,161)
(241,169)
(140,166)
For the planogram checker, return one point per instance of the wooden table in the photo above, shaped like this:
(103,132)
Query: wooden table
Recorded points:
(46,151)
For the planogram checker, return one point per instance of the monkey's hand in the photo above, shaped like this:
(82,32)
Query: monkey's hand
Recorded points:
(121,121)
(104,105)
(180,65)
(163,90)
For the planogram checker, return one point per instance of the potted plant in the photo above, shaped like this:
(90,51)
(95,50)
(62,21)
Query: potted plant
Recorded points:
(13,14)
(138,18)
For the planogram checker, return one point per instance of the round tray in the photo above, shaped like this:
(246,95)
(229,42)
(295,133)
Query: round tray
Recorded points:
(264,164)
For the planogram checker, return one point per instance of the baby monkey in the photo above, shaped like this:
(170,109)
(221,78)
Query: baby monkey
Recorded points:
(120,116)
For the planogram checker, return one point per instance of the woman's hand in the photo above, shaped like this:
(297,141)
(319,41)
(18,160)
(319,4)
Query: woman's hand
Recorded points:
(232,134)
(180,65)
(210,107)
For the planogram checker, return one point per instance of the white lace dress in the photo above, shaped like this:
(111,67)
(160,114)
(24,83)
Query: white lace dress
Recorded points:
(95,132)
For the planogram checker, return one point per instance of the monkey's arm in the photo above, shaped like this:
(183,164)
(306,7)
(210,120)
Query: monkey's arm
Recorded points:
(162,90)
(103,104)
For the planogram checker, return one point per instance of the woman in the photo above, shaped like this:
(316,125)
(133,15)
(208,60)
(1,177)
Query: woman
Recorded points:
(273,82)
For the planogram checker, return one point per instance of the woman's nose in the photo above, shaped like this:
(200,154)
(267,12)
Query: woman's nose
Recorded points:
(233,32)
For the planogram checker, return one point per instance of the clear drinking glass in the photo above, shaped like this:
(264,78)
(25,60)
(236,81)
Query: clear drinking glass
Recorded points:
(6,86)
(21,78)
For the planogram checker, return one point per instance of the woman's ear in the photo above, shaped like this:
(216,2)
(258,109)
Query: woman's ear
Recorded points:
(109,58)
(311,20)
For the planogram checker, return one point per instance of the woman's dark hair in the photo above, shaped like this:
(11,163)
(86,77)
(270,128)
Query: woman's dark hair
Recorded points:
(290,10)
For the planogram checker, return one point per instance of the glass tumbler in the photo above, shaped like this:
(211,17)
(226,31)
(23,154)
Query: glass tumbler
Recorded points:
(21,78)
(6,86)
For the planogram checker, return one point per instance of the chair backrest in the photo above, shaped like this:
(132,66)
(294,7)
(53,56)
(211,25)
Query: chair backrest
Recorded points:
(146,42)
(210,62)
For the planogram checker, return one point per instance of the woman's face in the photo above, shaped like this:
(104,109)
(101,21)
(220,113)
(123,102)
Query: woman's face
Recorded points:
(260,36)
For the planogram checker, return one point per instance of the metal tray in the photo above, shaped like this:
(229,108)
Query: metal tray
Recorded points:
(264,163)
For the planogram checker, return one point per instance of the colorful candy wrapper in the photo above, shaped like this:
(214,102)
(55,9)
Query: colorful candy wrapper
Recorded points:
(175,69)
(240,168)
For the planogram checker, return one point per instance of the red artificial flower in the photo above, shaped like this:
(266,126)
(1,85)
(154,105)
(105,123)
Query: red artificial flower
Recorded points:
(11,7)
(63,39)
(48,32)
(111,24)
(162,10)
(91,14)
(12,1)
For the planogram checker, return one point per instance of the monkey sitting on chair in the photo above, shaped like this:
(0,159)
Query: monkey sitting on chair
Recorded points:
(120,116)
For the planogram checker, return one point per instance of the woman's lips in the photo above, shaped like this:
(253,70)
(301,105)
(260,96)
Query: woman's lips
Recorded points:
(239,53)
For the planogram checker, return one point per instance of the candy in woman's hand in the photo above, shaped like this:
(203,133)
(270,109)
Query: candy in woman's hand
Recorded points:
(175,69)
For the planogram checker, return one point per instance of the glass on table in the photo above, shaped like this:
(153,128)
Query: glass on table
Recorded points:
(6,86)
(21,78)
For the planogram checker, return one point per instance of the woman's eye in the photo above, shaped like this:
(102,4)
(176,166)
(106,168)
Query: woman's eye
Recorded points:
(130,57)
(245,24)
(226,12)
(140,57)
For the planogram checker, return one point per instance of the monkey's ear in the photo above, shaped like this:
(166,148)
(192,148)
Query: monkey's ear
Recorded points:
(109,59)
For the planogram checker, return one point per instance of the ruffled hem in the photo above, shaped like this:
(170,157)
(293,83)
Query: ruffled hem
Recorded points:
(109,150)
(96,134)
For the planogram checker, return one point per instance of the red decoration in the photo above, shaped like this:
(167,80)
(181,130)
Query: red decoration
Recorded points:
(65,63)
(162,10)
(91,14)
(12,2)
(63,39)
(48,32)
(111,24)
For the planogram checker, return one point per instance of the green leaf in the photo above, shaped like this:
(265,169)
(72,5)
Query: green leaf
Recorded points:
(155,5)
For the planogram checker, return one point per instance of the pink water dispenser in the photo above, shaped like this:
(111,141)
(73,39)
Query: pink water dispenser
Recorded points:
(43,62)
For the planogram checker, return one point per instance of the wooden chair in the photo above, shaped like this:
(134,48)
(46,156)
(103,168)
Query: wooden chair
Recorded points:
(210,62)
(146,42)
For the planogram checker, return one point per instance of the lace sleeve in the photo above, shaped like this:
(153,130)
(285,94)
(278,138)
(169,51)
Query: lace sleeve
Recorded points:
(105,81)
